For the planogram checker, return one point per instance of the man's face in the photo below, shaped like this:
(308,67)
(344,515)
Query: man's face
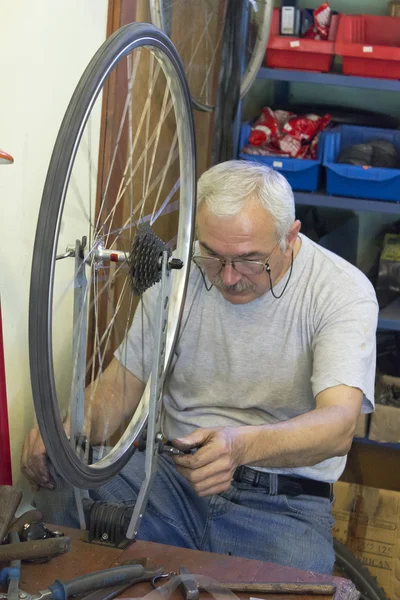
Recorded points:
(250,235)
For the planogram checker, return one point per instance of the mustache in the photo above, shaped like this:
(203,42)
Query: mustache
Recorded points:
(240,286)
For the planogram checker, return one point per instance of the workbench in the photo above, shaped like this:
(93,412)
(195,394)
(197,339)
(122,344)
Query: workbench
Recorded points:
(85,558)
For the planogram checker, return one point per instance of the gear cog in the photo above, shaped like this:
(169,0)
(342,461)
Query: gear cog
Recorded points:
(144,259)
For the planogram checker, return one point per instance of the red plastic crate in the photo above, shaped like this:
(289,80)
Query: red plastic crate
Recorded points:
(285,52)
(369,45)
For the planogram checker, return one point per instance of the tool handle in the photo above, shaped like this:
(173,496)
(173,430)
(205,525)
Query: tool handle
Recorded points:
(10,498)
(312,589)
(35,549)
(95,581)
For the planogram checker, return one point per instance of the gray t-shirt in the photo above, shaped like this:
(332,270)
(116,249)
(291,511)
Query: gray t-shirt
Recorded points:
(266,361)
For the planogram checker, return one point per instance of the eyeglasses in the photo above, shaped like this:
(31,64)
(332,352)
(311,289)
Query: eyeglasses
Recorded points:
(213,266)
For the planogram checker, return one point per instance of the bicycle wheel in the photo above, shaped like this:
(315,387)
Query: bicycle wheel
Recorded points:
(349,564)
(198,42)
(124,156)
(259,24)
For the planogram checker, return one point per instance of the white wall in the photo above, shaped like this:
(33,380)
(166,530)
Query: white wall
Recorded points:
(45,47)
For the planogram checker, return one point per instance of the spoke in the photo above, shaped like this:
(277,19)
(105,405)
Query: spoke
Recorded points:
(172,207)
(126,226)
(189,66)
(90,179)
(124,184)
(150,96)
(106,336)
(172,152)
(76,190)
(126,106)
(155,145)
(130,145)
(211,62)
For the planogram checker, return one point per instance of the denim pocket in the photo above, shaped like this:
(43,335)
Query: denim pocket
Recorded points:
(312,507)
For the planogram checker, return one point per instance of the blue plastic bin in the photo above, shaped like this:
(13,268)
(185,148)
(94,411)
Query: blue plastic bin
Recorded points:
(302,174)
(356,181)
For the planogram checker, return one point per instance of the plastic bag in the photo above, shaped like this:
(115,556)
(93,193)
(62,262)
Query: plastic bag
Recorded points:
(282,133)
(320,28)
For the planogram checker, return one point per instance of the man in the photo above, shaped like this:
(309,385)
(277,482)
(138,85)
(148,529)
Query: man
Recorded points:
(274,361)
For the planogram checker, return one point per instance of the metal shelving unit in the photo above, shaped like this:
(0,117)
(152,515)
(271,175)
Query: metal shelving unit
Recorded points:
(322,199)
(389,317)
(367,83)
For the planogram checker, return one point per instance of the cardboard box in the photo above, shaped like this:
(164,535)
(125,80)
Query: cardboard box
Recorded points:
(385,421)
(367,520)
(361,427)
(385,424)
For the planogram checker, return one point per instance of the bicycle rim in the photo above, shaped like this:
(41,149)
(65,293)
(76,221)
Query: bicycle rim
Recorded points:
(145,174)
(196,30)
(259,24)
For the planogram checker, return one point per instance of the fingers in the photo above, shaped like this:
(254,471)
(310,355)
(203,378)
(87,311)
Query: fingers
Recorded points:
(198,437)
(213,446)
(214,478)
(34,461)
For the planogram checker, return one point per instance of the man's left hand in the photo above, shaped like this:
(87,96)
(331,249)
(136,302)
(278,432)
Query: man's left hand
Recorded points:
(210,469)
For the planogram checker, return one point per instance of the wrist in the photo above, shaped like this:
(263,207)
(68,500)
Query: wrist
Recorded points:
(247,444)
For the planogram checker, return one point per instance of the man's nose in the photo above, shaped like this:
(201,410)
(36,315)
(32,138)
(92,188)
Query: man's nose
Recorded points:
(229,275)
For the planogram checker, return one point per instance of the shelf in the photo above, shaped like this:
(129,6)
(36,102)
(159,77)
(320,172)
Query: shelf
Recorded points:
(389,317)
(320,199)
(370,83)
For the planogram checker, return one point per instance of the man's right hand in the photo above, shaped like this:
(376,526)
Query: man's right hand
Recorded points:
(34,461)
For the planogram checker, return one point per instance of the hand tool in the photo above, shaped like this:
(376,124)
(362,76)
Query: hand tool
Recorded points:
(191,588)
(10,498)
(35,549)
(12,574)
(59,590)
(161,576)
(312,589)
(112,592)
(164,446)
(21,523)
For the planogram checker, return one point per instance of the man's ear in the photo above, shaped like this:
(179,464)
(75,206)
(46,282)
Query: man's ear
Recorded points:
(292,236)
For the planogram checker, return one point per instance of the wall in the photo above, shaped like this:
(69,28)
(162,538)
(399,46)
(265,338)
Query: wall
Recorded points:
(45,47)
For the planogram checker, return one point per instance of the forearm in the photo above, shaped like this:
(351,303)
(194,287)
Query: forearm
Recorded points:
(299,442)
(104,412)
(110,401)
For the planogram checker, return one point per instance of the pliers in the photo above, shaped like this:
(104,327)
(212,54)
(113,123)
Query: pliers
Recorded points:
(116,577)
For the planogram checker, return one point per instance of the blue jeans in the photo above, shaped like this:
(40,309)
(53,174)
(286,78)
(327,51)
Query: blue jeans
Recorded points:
(243,521)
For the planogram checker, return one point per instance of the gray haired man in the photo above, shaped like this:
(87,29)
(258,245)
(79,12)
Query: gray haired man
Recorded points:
(274,361)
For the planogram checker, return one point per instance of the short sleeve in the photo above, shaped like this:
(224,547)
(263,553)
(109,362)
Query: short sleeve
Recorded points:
(135,351)
(344,346)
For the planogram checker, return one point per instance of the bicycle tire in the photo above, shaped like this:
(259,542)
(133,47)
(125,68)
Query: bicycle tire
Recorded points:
(123,41)
(158,11)
(349,564)
(258,52)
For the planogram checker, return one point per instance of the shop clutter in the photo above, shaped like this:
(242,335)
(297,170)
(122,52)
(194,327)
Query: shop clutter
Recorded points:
(342,160)
(307,39)
(376,153)
(311,24)
(283,133)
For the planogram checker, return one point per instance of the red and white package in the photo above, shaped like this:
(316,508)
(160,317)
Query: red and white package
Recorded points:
(286,134)
(265,129)
(322,20)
